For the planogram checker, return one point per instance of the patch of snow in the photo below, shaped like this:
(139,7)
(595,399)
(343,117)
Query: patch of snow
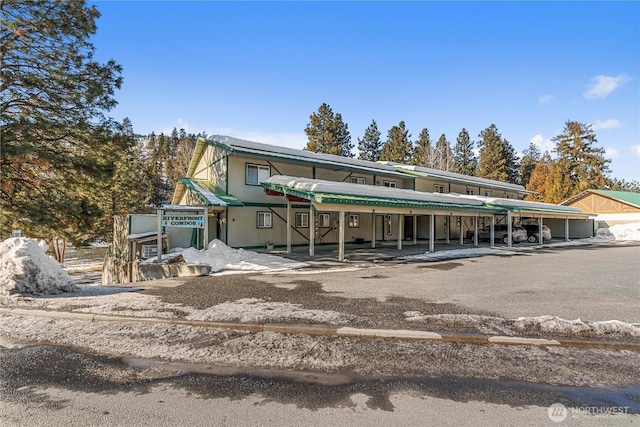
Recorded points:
(222,257)
(255,310)
(554,324)
(620,232)
(457,253)
(26,269)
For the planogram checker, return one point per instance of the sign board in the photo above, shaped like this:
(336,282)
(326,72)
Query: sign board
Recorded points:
(183,220)
(17,233)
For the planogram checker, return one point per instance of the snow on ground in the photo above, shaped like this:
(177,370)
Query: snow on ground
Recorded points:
(123,302)
(545,325)
(620,232)
(457,253)
(222,257)
(26,269)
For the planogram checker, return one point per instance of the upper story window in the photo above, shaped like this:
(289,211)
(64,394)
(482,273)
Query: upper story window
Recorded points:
(470,192)
(390,184)
(438,188)
(257,174)
(358,180)
(487,193)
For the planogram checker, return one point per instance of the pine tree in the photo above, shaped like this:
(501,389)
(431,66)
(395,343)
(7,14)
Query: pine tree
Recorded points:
(492,163)
(622,185)
(423,152)
(530,158)
(398,147)
(54,97)
(328,134)
(512,162)
(443,154)
(464,159)
(370,145)
(538,179)
(579,164)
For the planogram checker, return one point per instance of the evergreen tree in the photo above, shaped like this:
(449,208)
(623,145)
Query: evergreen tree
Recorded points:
(398,147)
(492,163)
(53,99)
(530,158)
(443,154)
(538,179)
(464,159)
(622,185)
(328,134)
(512,162)
(423,152)
(579,164)
(370,145)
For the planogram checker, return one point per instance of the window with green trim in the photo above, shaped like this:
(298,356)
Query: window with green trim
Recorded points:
(264,220)
(256,174)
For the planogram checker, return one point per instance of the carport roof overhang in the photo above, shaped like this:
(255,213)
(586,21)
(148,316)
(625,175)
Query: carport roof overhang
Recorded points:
(537,209)
(358,197)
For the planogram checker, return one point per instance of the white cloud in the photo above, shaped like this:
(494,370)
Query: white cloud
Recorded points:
(544,144)
(544,99)
(607,124)
(635,149)
(611,153)
(602,86)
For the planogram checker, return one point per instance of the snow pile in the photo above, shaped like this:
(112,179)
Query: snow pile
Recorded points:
(554,324)
(255,310)
(620,232)
(26,269)
(221,257)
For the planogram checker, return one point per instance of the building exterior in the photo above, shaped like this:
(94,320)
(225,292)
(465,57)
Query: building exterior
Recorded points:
(611,207)
(259,195)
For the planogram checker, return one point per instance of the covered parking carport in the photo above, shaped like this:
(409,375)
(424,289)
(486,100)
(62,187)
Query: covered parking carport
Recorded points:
(347,198)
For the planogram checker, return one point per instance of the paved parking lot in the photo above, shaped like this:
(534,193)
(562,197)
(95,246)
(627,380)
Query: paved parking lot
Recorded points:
(592,282)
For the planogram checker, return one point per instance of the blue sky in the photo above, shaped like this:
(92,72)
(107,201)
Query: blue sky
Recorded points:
(257,70)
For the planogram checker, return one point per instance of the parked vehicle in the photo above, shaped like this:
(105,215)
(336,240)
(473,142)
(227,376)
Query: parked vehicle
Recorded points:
(533,231)
(501,234)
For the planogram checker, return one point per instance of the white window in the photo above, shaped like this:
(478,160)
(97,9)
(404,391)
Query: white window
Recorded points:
(264,220)
(390,184)
(257,174)
(302,220)
(354,220)
(487,193)
(438,188)
(324,220)
(357,180)
(470,192)
(506,196)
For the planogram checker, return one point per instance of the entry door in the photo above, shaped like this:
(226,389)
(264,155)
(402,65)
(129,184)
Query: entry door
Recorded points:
(380,227)
(408,227)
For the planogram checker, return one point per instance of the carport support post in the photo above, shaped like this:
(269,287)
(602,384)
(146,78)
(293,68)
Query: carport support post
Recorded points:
(312,230)
(159,235)
(415,229)
(289,225)
(400,221)
(566,229)
(509,231)
(475,231)
(540,238)
(492,233)
(448,219)
(341,236)
(373,230)
(461,230)
(432,233)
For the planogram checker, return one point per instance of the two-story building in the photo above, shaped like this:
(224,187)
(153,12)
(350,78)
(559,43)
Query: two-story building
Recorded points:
(258,195)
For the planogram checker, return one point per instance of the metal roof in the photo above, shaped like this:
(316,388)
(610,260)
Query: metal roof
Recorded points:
(209,193)
(315,159)
(456,177)
(331,192)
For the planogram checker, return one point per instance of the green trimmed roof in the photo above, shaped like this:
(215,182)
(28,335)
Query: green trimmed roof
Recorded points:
(209,193)
(330,192)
